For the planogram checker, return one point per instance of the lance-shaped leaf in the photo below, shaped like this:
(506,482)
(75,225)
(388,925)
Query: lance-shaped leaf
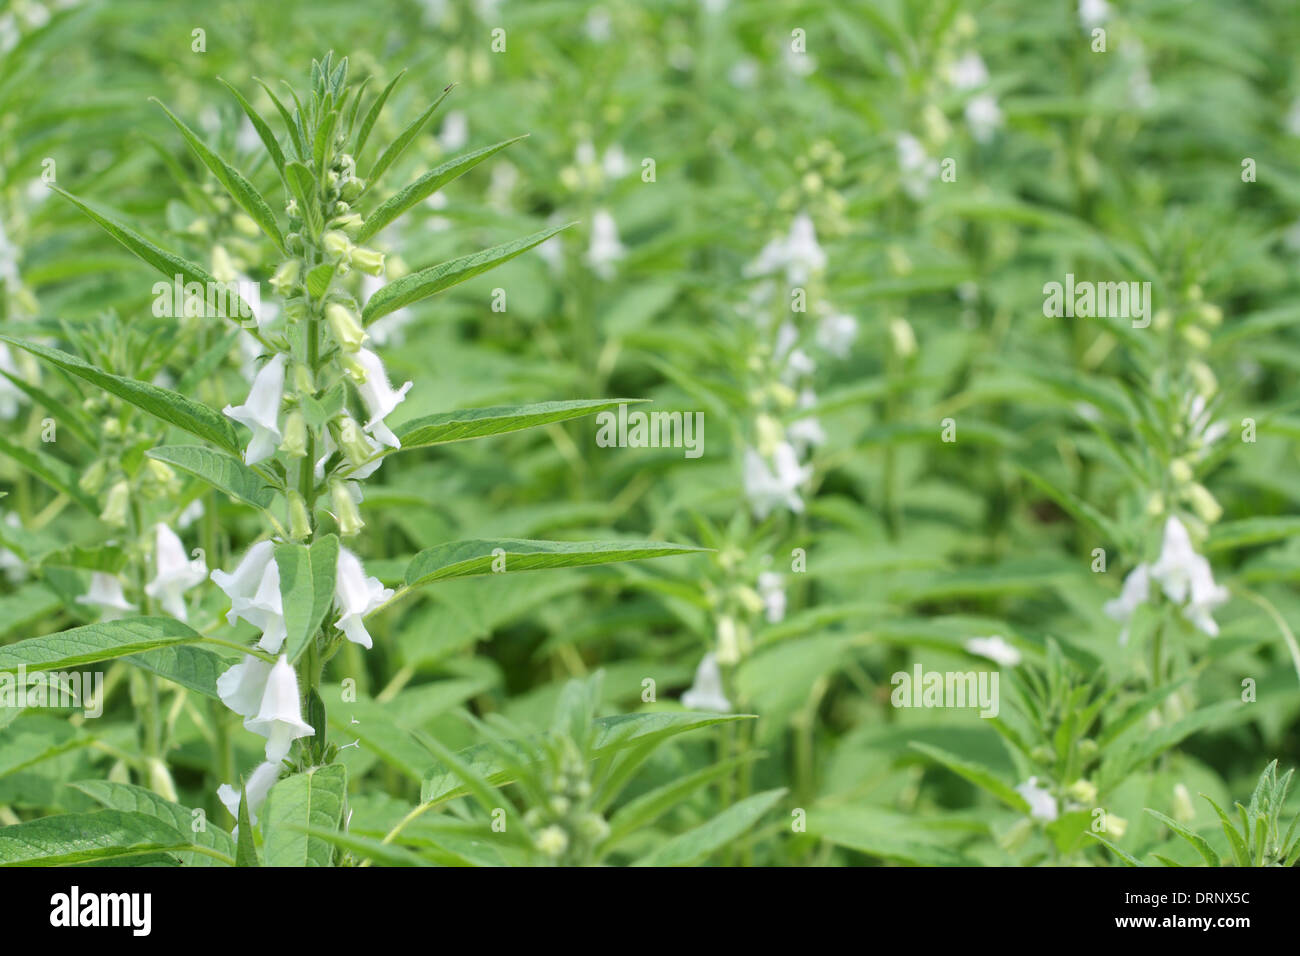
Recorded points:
(403,140)
(263,128)
(132,799)
(54,472)
(372,114)
(172,407)
(95,642)
(302,183)
(427,282)
(87,837)
(468,423)
(311,800)
(731,824)
(306,588)
(169,264)
(975,774)
(426,186)
(461,559)
(219,470)
(240,189)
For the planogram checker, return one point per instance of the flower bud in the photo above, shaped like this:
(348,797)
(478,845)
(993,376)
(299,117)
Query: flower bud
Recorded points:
(728,646)
(331,179)
(119,496)
(1116,825)
(345,327)
(345,509)
(302,380)
(904,340)
(243,223)
(1180,471)
(552,842)
(160,779)
(299,520)
(352,189)
(162,474)
(291,208)
(349,222)
(336,243)
(355,370)
(355,448)
(223,268)
(93,478)
(295,434)
(1084,791)
(286,276)
(1204,504)
(368,261)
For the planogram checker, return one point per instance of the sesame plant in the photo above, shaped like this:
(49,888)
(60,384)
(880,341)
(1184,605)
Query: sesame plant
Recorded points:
(983,547)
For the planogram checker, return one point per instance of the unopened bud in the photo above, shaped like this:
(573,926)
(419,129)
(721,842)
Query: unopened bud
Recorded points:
(295,434)
(353,442)
(299,519)
(286,276)
(345,327)
(119,497)
(93,478)
(368,261)
(345,509)
(1204,504)
(336,243)
(223,269)
(904,340)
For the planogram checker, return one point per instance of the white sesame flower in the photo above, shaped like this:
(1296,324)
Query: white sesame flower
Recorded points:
(14,567)
(995,648)
(254,592)
(261,411)
(798,254)
(916,167)
(706,692)
(379,397)
(836,332)
(983,116)
(242,686)
(772,590)
(778,486)
(106,592)
(455,131)
(1093,13)
(355,596)
(614,164)
(806,433)
(11,396)
(279,719)
(191,513)
(256,787)
(968,72)
(1042,805)
(1136,590)
(1185,575)
(606,248)
(174,572)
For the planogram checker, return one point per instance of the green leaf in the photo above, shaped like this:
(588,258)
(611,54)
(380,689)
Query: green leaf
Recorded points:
(695,845)
(975,774)
(263,128)
(398,146)
(55,473)
(1251,531)
(303,186)
(133,799)
(1127,858)
(426,282)
(426,186)
(240,189)
(1195,839)
(167,263)
(907,839)
(175,409)
(372,115)
(460,559)
(313,799)
(219,470)
(648,807)
(307,589)
(95,642)
(193,667)
(246,851)
(468,423)
(87,837)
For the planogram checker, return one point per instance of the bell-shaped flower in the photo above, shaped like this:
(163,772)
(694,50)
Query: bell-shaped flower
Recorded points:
(772,590)
(968,72)
(261,411)
(706,693)
(836,333)
(606,248)
(1178,562)
(256,787)
(174,572)
(355,596)
(1042,805)
(983,116)
(798,254)
(995,648)
(1136,590)
(1205,597)
(279,718)
(379,396)
(254,592)
(106,592)
(777,486)
(242,687)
